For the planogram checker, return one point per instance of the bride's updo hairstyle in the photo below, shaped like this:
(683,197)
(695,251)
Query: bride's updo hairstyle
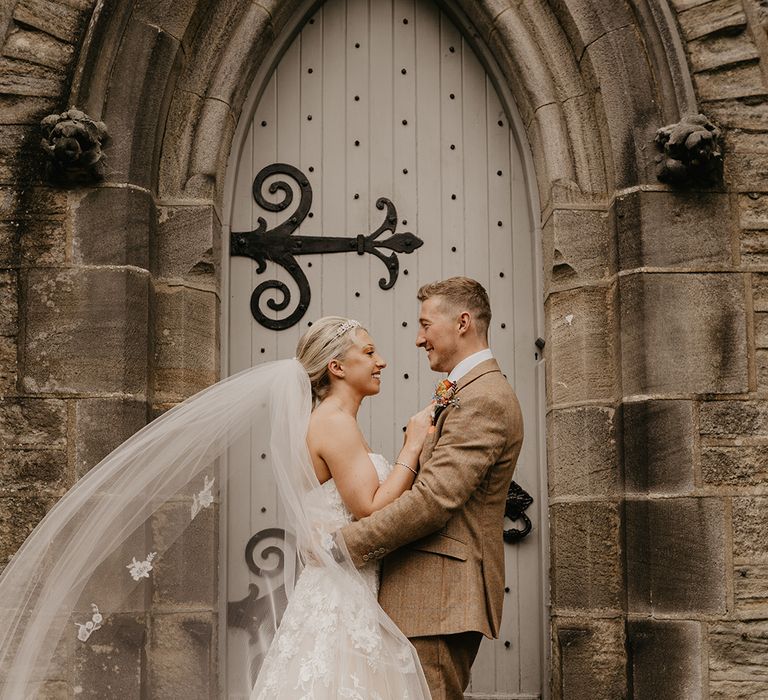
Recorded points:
(328,339)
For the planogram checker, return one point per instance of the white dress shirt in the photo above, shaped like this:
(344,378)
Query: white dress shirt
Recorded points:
(469,363)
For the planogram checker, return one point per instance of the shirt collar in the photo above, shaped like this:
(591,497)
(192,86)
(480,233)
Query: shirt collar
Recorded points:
(469,363)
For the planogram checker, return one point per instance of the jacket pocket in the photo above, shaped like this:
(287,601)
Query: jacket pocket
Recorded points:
(442,544)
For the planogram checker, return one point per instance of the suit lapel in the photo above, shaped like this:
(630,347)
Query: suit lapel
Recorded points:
(484,367)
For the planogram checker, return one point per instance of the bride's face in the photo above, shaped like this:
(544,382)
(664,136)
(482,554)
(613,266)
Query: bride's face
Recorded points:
(362,365)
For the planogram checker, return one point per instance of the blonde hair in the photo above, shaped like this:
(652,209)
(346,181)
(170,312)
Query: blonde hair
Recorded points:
(321,344)
(462,294)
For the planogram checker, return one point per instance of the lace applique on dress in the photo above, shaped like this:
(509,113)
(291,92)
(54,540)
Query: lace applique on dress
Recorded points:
(325,615)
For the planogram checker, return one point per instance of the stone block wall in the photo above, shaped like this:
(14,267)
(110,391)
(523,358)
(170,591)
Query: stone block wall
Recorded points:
(109,314)
(656,305)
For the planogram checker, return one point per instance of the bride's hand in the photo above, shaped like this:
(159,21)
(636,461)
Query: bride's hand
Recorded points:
(418,428)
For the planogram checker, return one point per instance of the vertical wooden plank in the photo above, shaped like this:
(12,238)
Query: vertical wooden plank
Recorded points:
(311,144)
(292,114)
(452,134)
(501,290)
(357,196)
(335,141)
(381,95)
(430,212)
(529,555)
(238,493)
(403,374)
(261,490)
(474,152)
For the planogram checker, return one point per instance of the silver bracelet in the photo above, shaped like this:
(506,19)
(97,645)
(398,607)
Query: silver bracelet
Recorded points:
(409,468)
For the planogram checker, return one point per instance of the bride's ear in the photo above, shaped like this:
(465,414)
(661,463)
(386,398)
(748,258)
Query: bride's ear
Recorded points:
(335,368)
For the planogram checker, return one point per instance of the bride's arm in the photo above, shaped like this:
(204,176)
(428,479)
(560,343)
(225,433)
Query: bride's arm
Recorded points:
(344,452)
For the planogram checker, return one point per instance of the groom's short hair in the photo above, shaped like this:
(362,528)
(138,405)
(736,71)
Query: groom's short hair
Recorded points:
(462,294)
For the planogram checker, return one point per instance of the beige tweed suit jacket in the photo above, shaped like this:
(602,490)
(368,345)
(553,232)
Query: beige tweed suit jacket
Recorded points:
(444,566)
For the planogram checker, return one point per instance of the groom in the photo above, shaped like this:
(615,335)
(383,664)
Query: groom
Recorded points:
(443,576)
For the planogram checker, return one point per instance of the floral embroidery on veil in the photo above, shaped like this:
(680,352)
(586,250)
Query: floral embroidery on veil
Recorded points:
(85,629)
(204,498)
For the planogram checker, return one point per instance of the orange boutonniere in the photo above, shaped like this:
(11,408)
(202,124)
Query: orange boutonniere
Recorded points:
(444,396)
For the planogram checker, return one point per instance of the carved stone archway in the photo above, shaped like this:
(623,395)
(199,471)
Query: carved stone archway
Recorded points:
(592,80)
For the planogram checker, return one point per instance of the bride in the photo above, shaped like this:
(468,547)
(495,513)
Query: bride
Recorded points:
(321,632)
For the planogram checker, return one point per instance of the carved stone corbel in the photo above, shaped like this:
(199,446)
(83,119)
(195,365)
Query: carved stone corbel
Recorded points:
(690,152)
(73,143)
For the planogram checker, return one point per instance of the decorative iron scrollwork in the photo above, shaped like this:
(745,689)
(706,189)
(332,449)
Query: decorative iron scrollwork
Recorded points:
(244,613)
(280,246)
(518,499)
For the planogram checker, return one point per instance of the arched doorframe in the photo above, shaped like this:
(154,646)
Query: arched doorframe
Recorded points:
(517,129)
(591,82)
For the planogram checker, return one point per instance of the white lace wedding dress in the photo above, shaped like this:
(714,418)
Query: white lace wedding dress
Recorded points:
(331,643)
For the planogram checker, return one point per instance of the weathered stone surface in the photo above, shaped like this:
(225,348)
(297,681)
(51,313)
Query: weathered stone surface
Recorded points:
(26,109)
(20,512)
(23,204)
(654,229)
(582,347)
(186,342)
(733,418)
(38,48)
(183,115)
(112,227)
(578,247)
(658,446)
(737,659)
(665,659)
(103,424)
(176,17)
(180,656)
(739,113)
(18,146)
(584,22)
(734,465)
(55,18)
(750,589)
(86,330)
(718,16)
(46,468)
(586,563)
(753,211)
(9,304)
(28,423)
(729,82)
(42,243)
(716,50)
(753,246)
(619,62)
(750,554)
(582,452)
(186,573)
(760,291)
(8,366)
(683,333)
(675,550)
(589,659)
(134,112)
(109,664)
(745,159)
(22,78)
(188,245)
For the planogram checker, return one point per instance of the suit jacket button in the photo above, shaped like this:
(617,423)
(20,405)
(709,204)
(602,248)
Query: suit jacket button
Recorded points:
(365,557)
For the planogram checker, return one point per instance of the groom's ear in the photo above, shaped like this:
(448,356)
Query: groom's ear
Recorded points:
(465,322)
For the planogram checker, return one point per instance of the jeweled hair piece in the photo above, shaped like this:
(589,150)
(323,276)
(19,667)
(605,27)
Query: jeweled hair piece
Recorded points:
(348,325)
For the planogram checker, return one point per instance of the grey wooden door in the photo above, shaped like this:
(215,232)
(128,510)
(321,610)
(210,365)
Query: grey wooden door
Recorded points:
(386,98)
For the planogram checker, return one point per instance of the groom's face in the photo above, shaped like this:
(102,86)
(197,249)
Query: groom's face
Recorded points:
(438,334)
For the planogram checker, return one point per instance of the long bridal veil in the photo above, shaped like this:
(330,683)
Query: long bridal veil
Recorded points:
(106,549)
